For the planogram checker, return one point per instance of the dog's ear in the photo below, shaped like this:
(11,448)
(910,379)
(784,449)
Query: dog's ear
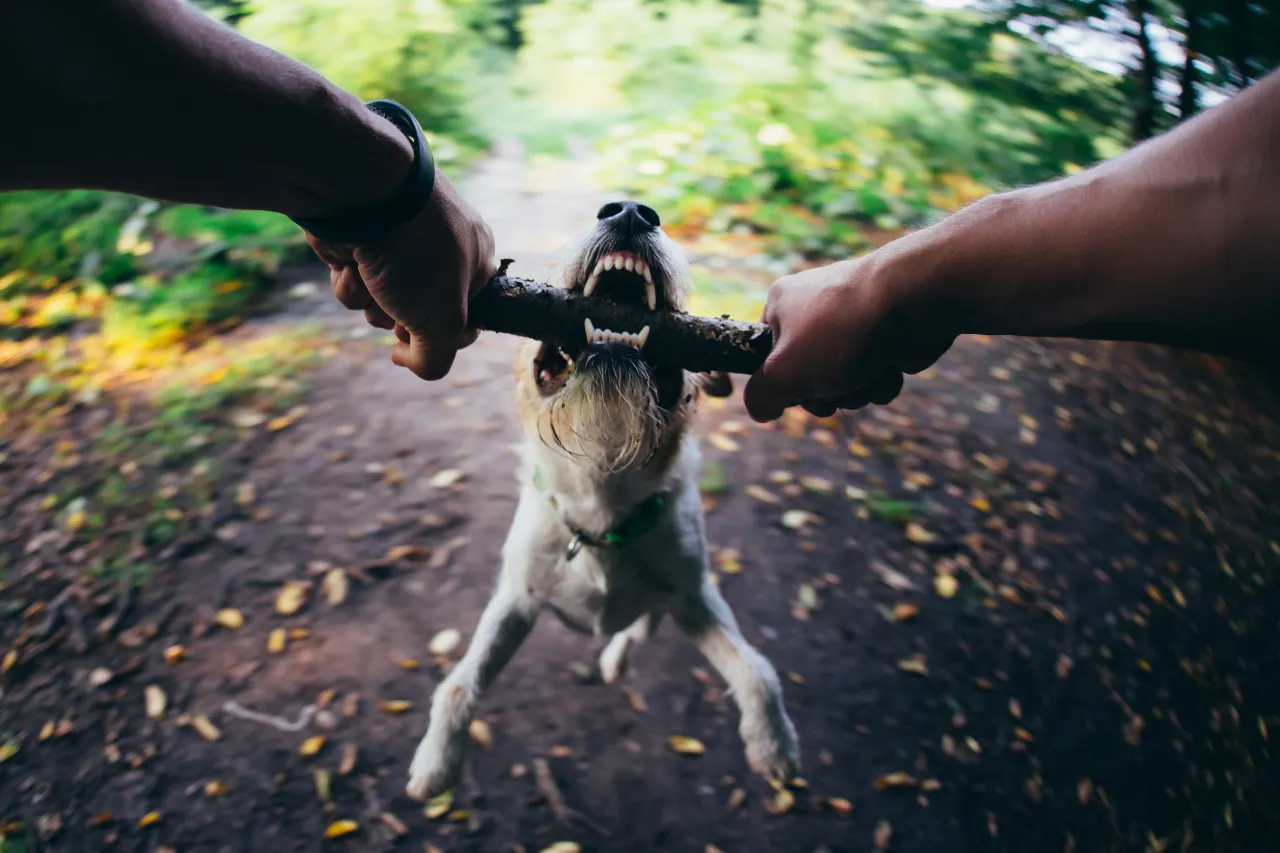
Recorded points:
(716,384)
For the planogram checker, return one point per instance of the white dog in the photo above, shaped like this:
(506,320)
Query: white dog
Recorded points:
(609,531)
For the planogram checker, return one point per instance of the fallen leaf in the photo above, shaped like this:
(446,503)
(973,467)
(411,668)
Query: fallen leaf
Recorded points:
(444,642)
(480,734)
(446,478)
(892,578)
(563,847)
(348,761)
(276,641)
(417,553)
(286,420)
(637,701)
(395,824)
(410,664)
(335,586)
(798,519)
(97,820)
(312,745)
(291,597)
(339,828)
(149,819)
(883,835)
(737,798)
(840,806)
(439,805)
(205,727)
(155,702)
(729,561)
(898,779)
(902,611)
(930,785)
(780,803)
(395,706)
(46,731)
(762,494)
(720,441)
(559,750)
(1015,709)
(818,485)
(686,745)
(946,586)
(917,533)
(229,618)
(247,418)
(245,494)
(100,676)
(175,653)
(916,663)
(214,788)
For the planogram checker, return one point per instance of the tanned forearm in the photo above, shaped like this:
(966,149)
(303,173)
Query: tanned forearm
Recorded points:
(153,98)
(1176,241)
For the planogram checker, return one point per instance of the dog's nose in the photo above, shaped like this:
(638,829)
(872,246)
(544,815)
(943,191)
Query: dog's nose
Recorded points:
(628,218)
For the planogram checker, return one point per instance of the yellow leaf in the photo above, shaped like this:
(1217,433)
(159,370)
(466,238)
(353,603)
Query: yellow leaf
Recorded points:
(407,552)
(205,727)
(10,658)
(339,828)
(762,494)
(981,504)
(480,733)
(335,586)
(898,779)
(439,805)
(840,806)
(686,745)
(916,663)
(148,819)
(312,745)
(214,788)
(348,761)
(245,494)
(46,731)
(291,597)
(446,478)
(857,448)
(175,653)
(559,750)
(720,441)
(155,701)
(780,803)
(288,419)
(444,642)
(903,611)
(324,784)
(917,533)
(410,664)
(229,618)
(563,847)
(798,519)
(730,561)
(395,706)
(930,785)
(946,586)
(276,641)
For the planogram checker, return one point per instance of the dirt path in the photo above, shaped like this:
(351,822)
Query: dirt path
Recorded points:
(1029,607)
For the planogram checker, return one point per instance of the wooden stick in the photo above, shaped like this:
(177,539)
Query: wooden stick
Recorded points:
(517,306)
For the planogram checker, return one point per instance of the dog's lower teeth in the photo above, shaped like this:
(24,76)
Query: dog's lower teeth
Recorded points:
(596,336)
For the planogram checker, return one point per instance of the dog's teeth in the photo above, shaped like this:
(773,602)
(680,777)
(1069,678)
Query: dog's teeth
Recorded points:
(643,337)
(610,262)
(630,264)
(647,273)
(590,286)
(650,294)
(590,329)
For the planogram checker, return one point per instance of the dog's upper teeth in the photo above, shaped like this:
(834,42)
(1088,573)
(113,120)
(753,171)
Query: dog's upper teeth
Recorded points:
(630,264)
(650,294)
(643,337)
(591,283)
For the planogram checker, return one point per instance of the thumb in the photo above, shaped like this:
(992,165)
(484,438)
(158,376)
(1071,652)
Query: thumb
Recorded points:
(771,389)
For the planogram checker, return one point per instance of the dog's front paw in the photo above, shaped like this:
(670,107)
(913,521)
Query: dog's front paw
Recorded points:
(773,750)
(613,660)
(437,764)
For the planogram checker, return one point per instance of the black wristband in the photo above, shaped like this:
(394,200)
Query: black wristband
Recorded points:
(372,222)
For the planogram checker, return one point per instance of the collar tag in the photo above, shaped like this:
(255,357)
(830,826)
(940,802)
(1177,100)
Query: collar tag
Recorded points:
(575,546)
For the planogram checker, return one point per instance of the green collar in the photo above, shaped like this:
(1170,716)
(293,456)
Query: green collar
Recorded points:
(638,522)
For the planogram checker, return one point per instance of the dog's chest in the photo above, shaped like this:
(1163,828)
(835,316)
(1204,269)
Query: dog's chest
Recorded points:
(603,593)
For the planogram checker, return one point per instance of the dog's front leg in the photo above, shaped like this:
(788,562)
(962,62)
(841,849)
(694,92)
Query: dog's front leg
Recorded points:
(503,626)
(770,738)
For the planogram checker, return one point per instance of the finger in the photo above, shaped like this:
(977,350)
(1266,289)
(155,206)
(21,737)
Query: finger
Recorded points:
(887,387)
(820,408)
(430,361)
(467,338)
(402,334)
(333,255)
(349,288)
(376,317)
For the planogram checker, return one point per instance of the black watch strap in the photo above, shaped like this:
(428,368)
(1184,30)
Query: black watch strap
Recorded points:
(372,222)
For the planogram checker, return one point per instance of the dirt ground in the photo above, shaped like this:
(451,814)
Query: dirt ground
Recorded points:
(1029,607)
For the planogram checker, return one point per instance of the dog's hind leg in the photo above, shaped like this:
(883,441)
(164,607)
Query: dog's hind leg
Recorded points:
(770,738)
(613,660)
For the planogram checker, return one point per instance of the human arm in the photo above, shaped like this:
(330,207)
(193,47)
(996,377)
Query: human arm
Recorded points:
(151,97)
(1177,241)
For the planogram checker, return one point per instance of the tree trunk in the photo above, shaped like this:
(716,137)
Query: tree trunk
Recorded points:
(1144,79)
(1188,101)
(698,344)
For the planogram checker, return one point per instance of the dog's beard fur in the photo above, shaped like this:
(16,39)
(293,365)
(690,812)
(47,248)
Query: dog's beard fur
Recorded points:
(606,416)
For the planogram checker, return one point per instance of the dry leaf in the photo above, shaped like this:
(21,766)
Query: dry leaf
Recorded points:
(288,419)
(892,578)
(883,835)
(339,828)
(324,784)
(729,561)
(446,478)
(246,494)
(798,519)
(395,824)
(686,745)
(205,727)
(902,611)
(348,761)
(291,597)
(335,586)
(840,806)
(720,441)
(916,663)
(737,798)
(100,676)
(439,805)
(276,641)
(312,745)
(148,819)
(559,750)
(444,553)
(156,702)
(214,788)
(762,494)
(930,785)
(480,734)
(637,701)
(917,533)
(395,706)
(444,642)
(895,780)
(175,653)
(563,847)
(417,553)
(247,418)
(410,664)
(229,618)
(780,803)
(946,586)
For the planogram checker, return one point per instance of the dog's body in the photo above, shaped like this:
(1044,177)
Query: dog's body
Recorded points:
(609,531)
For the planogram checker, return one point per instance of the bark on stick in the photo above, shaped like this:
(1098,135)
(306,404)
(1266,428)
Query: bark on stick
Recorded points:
(530,309)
